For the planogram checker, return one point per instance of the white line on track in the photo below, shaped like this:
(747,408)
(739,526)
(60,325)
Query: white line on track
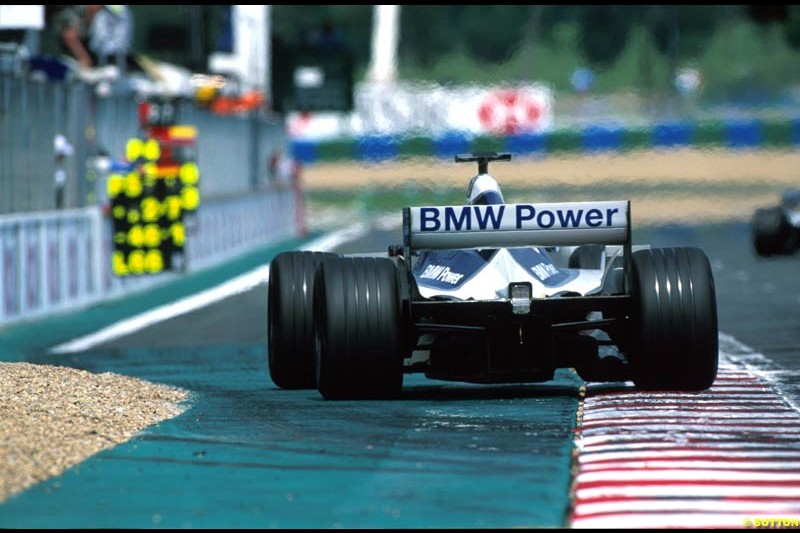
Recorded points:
(654,462)
(236,285)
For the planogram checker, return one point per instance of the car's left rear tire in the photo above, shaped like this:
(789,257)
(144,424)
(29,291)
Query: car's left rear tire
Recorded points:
(290,318)
(675,343)
(358,329)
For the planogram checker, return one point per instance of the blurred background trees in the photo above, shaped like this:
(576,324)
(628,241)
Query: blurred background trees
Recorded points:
(744,51)
(737,51)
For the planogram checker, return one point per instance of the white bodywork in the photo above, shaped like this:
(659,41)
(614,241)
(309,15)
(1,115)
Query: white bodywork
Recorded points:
(491,281)
(473,252)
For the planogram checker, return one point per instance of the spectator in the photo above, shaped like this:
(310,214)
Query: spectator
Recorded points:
(95,35)
(71,25)
(62,150)
(110,35)
(283,169)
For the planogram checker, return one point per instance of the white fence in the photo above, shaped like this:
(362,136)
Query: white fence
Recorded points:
(49,261)
(58,261)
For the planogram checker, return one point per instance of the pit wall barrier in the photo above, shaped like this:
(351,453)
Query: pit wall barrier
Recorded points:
(61,260)
(734,134)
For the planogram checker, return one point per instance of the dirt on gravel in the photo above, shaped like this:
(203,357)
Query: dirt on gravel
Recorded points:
(52,418)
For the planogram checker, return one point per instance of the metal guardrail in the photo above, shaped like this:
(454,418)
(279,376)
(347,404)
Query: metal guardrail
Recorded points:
(49,261)
(61,260)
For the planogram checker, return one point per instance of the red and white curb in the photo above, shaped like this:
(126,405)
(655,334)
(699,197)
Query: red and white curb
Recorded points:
(721,458)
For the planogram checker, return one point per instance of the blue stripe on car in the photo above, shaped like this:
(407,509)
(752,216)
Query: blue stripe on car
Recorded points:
(449,269)
(539,265)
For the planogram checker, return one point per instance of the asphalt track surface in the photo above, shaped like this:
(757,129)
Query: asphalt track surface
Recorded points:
(246,454)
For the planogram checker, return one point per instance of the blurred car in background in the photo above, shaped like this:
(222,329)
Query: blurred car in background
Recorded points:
(776,230)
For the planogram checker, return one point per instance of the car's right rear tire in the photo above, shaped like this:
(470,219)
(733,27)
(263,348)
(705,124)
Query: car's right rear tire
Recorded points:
(674,320)
(770,231)
(358,329)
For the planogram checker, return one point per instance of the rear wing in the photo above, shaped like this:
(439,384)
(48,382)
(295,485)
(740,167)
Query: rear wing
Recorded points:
(509,225)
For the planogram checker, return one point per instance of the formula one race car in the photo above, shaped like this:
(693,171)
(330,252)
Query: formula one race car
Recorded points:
(491,292)
(776,230)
